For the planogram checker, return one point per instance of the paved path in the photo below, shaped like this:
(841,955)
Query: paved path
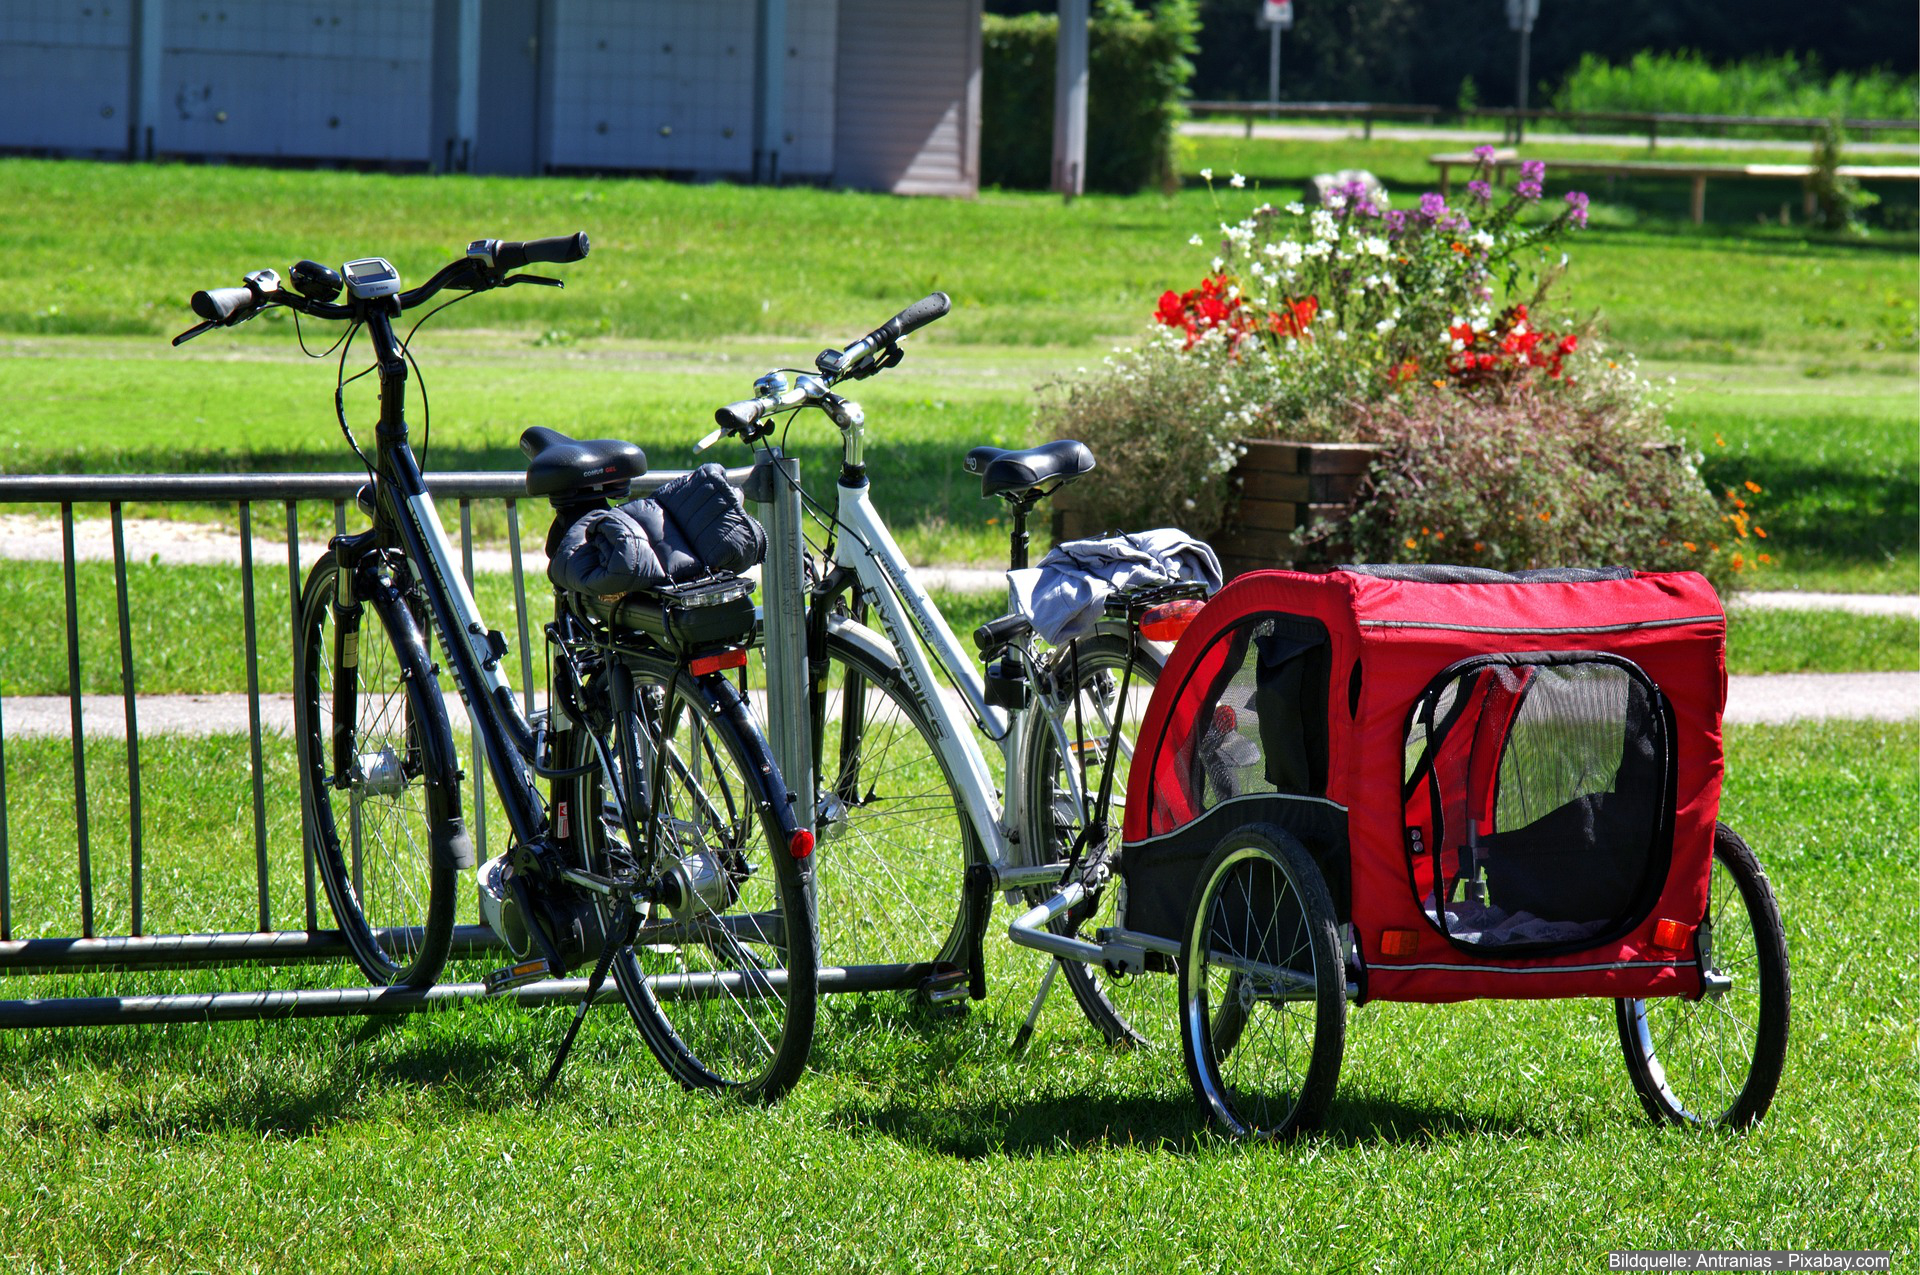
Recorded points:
(31,538)
(1771,697)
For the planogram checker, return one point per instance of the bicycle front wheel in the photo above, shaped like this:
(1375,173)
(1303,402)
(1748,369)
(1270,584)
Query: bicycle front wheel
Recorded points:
(375,757)
(895,840)
(722,974)
(1099,729)
(1717,1059)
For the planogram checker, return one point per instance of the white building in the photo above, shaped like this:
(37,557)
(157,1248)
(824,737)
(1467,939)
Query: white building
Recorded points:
(872,94)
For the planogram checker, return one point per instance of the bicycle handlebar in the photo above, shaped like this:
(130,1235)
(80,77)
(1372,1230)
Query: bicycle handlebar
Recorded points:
(839,363)
(558,251)
(485,265)
(219,304)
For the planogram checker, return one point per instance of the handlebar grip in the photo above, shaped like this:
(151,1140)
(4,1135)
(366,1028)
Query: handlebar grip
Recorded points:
(912,319)
(740,416)
(558,250)
(217,305)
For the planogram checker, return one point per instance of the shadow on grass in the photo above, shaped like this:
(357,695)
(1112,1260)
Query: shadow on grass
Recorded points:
(1825,510)
(182,1082)
(1072,1123)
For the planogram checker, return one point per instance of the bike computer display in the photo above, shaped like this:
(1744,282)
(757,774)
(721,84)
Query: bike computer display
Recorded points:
(371,277)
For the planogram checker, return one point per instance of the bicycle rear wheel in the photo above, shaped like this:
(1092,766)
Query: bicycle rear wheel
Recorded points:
(1717,1059)
(1262,987)
(722,974)
(1100,732)
(375,757)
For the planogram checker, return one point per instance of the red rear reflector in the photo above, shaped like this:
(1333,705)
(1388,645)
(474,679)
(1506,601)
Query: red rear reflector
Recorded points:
(1399,942)
(1672,935)
(1166,622)
(705,664)
(800,845)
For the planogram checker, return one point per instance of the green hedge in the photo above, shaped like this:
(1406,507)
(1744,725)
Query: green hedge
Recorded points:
(1138,64)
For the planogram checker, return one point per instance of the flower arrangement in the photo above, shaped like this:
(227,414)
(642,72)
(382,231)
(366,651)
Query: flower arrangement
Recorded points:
(1427,330)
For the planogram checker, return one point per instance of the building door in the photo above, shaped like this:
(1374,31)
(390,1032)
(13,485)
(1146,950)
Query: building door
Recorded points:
(508,127)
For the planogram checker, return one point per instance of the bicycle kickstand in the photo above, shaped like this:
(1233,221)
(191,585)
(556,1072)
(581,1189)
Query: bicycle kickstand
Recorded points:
(594,983)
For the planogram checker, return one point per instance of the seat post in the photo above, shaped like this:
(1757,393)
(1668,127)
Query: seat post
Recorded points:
(1017,555)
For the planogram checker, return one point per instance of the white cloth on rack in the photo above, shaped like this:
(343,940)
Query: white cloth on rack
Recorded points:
(1067,593)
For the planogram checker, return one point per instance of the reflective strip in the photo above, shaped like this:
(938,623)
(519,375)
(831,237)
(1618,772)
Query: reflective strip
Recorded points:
(1240,800)
(1547,969)
(1586,628)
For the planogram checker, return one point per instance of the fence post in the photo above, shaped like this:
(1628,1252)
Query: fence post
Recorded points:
(135,853)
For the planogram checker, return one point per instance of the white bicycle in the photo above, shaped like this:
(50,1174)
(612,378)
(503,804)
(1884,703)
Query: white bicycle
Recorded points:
(917,827)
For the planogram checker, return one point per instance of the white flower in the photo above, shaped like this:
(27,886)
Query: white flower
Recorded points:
(1236,181)
(1340,334)
(1375,246)
(1217,263)
(1195,241)
(1206,174)
(1482,239)
(1296,208)
(1384,326)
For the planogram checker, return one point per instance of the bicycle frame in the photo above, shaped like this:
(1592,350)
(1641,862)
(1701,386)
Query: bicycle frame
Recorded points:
(404,518)
(911,625)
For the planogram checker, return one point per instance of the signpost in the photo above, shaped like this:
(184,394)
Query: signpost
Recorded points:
(1521,15)
(1277,16)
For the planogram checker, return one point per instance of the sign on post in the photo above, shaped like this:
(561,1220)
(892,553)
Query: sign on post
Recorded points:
(1277,14)
(1521,14)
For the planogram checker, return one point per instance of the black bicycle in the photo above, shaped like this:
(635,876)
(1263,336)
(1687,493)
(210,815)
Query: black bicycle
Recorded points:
(668,854)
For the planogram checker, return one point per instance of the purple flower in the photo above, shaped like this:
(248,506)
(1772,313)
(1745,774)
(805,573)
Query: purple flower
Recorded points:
(1533,170)
(1484,154)
(1396,222)
(1480,190)
(1577,208)
(1527,189)
(1432,207)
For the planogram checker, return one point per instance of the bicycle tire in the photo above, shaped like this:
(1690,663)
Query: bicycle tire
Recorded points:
(1261,901)
(894,837)
(1684,1054)
(1130,1011)
(723,983)
(381,797)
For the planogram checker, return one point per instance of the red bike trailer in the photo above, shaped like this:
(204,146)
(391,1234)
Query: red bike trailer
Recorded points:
(1503,785)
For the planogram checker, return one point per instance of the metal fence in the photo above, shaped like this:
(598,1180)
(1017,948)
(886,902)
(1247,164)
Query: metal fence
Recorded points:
(101,944)
(1513,122)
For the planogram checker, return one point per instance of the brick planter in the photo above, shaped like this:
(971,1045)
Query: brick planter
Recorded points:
(1282,486)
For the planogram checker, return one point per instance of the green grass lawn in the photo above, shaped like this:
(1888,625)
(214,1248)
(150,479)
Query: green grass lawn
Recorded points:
(1798,353)
(1481,1134)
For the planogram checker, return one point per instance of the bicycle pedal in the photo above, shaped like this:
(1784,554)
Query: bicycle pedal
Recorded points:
(945,986)
(517,975)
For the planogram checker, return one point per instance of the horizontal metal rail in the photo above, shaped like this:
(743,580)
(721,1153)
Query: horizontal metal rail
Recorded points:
(351,1002)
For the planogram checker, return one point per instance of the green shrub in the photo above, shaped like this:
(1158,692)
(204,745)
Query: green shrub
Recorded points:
(1838,201)
(1686,83)
(1540,477)
(1137,70)
(1509,438)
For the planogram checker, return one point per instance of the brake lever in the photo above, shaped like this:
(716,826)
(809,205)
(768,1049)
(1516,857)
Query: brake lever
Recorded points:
(880,361)
(193,332)
(708,441)
(542,280)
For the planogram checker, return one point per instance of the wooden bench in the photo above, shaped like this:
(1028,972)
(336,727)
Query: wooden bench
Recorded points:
(1507,161)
